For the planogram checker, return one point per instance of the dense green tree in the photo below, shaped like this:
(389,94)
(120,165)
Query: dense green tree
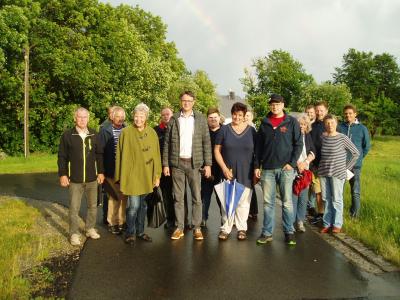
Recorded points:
(336,95)
(82,53)
(200,84)
(277,73)
(368,75)
(381,116)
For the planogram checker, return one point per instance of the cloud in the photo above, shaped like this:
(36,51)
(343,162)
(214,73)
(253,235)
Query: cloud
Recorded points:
(222,37)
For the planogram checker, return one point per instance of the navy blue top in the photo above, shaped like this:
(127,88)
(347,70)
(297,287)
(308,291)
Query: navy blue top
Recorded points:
(238,152)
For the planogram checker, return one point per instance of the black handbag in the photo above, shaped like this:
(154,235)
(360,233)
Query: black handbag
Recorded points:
(156,215)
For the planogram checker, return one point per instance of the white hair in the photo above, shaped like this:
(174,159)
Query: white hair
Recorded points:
(141,107)
(117,109)
(81,109)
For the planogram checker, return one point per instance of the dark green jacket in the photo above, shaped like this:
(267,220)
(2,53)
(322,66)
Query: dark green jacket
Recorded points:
(201,147)
(138,162)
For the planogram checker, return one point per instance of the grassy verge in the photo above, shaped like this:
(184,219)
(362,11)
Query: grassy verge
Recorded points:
(22,245)
(378,225)
(35,163)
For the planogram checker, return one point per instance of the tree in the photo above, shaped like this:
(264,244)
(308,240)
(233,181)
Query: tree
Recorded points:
(200,85)
(336,95)
(381,116)
(277,73)
(83,53)
(368,75)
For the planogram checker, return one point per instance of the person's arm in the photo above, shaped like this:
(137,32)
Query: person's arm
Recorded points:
(220,161)
(206,141)
(297,141)
(167,140)
(366,143)
(348,144)
(99,156)
(157,161)
(118,157)
(259,142)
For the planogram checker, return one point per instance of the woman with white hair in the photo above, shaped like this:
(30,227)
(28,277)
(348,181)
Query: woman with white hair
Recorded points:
(303,163)
(138,169)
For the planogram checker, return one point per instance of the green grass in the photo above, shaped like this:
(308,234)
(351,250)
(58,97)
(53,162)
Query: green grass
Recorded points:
(378,225)
(20,242)
(35,163)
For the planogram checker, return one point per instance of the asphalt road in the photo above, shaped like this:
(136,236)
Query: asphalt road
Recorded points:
(187,269)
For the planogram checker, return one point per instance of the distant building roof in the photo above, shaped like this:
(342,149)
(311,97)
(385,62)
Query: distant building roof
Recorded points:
(226,102)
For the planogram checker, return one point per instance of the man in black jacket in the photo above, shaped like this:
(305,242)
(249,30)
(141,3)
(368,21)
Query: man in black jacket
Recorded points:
(80,168)
(318,128)
(278,147)
(109,136)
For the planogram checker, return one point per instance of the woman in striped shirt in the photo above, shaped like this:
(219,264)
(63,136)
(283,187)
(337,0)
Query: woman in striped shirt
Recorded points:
(332,172)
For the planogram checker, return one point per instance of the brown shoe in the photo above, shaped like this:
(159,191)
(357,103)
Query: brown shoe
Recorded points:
(198,236)
(336,229)
(178,233)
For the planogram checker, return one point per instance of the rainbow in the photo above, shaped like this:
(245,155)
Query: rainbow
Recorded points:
(207,21)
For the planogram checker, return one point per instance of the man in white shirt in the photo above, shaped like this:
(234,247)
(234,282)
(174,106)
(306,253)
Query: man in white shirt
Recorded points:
(187,148)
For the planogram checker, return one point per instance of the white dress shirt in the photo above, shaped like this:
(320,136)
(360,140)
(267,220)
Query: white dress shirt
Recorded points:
(186,130)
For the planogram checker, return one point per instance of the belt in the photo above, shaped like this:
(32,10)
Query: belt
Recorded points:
(185,159)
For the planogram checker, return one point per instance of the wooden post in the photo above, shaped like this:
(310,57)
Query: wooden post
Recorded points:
(26,102)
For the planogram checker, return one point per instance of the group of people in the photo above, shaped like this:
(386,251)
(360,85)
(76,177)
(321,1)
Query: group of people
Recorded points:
(189,154)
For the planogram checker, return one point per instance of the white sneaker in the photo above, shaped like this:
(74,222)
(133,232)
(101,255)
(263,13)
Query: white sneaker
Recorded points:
(92,233)
(75,240)
(300,227)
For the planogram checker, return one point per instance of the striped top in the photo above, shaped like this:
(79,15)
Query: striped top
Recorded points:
(333,156)
(116,134)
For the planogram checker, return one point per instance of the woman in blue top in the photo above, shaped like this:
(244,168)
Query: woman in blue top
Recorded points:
(234,153)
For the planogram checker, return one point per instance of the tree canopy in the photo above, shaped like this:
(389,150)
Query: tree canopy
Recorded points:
(83,53)
(371,82)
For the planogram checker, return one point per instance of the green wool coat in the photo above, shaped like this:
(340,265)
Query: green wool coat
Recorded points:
(138,161)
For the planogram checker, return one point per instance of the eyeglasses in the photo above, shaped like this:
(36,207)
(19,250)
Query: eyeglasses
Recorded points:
(275,104)
(187,101)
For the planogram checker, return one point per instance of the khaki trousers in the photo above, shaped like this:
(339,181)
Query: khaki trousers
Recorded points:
(116,214)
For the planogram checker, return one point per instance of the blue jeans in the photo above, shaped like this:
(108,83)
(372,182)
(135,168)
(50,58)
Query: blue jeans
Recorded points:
(136,209)
(355,192)
(300,205)
(332,195)
(269,180)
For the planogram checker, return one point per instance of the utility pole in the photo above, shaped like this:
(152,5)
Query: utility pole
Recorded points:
(26,102)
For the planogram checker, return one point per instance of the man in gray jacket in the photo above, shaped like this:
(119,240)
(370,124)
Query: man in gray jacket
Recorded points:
(187,147)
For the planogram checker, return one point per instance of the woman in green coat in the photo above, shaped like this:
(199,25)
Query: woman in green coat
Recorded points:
(138,170)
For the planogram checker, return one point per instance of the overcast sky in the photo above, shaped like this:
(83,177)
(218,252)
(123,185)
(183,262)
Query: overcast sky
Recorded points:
(222,37)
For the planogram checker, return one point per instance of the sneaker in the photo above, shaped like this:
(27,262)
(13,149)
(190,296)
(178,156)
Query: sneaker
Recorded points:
(300,227)
(130,239)
(75,240)
(198,235)
(122,227)
(336,229)
(289,239)
(178,233)
(145,237)
(325,229)
(263,239)
(92,234)
(115,230)
(316,220)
